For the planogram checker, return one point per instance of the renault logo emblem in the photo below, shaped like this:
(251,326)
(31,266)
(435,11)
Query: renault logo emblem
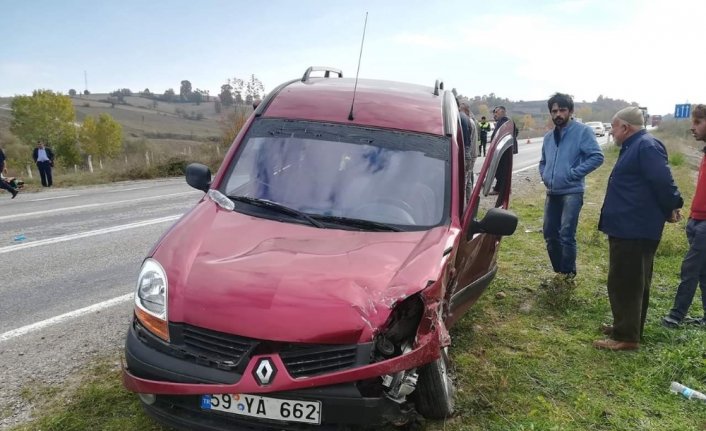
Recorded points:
(264,371)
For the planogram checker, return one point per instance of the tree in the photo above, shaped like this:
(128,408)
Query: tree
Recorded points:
(237,84)
(86,92)
(72,92)
(253,89)
(226,95)
(101,138)
(146,92)
(196,97)
(169,95)
(109,134)
(185,90)
(48,116)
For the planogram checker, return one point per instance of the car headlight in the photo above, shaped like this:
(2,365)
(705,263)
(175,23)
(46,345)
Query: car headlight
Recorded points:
(151,298)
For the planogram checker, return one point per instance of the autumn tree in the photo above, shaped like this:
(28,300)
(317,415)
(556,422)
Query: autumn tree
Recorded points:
(48,116)
(101,138)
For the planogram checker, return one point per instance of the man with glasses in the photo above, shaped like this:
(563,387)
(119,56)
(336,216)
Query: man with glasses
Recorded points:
(569,153)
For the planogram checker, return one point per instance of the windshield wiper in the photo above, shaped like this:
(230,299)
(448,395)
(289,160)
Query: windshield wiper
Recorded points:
(359,223)
(264,203)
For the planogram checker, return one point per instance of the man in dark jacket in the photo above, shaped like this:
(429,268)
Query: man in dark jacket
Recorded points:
(502,172)
(640,198)
(44,158)
(569,153)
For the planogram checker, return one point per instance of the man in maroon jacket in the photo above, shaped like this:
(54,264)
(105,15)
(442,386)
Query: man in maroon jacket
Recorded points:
(693,267)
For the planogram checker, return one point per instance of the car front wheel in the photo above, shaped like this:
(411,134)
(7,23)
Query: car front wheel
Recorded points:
(434,396)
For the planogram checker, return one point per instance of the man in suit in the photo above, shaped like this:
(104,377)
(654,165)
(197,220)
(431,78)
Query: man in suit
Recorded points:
(44,158)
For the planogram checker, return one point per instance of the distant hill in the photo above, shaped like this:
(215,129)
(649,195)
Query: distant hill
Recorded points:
(602,110)
(162,122)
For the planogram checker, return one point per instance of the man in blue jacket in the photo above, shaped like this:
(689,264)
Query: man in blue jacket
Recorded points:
(569,153)
(640,198)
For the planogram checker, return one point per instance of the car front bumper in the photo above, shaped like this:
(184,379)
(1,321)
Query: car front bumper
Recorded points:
(172,380)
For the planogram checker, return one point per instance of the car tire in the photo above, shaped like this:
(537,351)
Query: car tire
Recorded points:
(434,396)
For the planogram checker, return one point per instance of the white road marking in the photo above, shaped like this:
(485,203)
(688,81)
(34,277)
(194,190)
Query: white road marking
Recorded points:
(73,236)
(525,168)
(55,210)
(49,199)
(124,190)
(63,317)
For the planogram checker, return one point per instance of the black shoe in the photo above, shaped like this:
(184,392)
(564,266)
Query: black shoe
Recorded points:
(695,321)
(14,193)
(670,322)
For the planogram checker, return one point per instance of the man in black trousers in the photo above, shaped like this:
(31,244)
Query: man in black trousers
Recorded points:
(44,158)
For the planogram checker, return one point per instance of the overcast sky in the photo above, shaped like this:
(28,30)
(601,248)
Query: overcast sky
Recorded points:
(644,51)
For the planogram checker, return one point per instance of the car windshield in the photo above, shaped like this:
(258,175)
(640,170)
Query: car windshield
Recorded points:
(334,172)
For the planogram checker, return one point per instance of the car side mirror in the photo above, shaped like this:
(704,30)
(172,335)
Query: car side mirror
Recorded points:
(497,221)
(198,176)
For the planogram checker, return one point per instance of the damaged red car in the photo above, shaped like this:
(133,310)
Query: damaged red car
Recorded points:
(316,282)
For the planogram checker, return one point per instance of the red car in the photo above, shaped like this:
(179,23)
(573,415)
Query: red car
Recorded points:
(316,282)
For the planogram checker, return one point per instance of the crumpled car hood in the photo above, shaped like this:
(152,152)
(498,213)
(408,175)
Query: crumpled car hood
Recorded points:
(271,280)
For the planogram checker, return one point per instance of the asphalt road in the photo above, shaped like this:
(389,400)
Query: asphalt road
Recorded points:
(66,287)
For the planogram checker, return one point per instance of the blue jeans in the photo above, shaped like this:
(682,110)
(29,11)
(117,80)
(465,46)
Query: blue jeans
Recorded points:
(561,216)
(693,270)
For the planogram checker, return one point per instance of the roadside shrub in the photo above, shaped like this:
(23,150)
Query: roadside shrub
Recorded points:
(173,167)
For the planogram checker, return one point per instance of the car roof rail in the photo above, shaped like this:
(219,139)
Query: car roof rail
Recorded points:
(438,85)
(270,97)
(327,72)
(449,110)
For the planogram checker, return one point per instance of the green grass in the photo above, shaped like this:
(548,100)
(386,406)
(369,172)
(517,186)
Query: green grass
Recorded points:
(523,361)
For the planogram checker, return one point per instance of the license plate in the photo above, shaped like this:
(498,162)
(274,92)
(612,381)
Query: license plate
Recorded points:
(263,407)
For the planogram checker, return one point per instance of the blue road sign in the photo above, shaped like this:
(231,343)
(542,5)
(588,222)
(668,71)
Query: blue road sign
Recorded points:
(682,111)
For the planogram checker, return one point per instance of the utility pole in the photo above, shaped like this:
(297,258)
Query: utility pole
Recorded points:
(85,81)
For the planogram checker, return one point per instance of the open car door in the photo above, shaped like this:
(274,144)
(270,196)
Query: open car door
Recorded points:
(485,220)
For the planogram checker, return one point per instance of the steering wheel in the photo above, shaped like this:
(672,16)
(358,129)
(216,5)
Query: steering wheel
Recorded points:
(390,210)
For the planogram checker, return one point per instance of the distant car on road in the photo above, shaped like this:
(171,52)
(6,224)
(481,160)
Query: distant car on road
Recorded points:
(598,127)
(608,128)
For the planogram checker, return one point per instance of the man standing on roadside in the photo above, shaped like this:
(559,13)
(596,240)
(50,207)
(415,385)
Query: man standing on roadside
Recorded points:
(44,158)
(569,153)
(640,198)
(693,267)
(501,174)
(483,128)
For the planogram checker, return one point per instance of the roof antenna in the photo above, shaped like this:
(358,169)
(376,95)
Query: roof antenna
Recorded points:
(355,87)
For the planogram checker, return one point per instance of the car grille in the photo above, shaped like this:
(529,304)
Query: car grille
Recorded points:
(232,353)
(304,361)
(217,346)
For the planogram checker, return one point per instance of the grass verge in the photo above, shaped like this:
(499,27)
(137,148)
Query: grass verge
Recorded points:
(523,360)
